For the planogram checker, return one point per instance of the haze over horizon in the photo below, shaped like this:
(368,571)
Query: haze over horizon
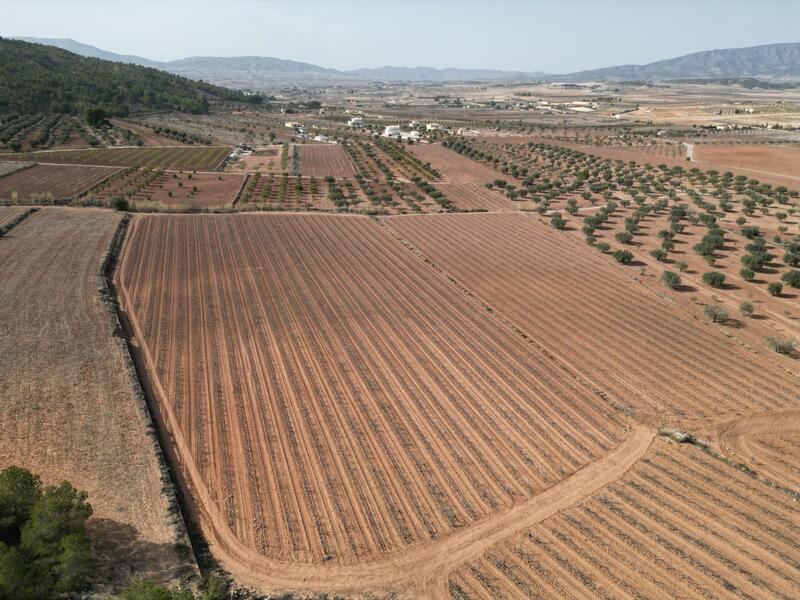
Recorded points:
(549,36)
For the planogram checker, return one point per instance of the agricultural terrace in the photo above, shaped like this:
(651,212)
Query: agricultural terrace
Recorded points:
(334,400)
(322,160)
(51,182)
(730,238)
(192,158)
(679,524)
(155,188)
(68,409)
(593,317)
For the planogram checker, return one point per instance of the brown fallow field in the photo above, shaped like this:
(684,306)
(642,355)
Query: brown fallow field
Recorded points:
(68,410)
(322,160)
(56,182)
(773,160)
(344,417)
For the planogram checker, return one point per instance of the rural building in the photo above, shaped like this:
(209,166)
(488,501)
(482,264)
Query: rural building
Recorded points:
(356,122)
(392,131)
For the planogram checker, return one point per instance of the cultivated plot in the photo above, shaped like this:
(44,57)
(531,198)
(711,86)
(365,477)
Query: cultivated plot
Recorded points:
(67,409)
(680,524)
(200,158)
(335,400)
(323,160)
(51,182)
(650,357)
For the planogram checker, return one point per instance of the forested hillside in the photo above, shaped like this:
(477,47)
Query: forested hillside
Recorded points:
(36,79)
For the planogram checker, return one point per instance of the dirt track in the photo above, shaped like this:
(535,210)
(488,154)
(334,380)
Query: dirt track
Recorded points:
(422,571)
(768,443)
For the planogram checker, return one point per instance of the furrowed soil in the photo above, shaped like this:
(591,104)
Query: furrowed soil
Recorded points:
(52,182)
(679,524)
(648,356)
(325,159)
(68,410)
(346,418)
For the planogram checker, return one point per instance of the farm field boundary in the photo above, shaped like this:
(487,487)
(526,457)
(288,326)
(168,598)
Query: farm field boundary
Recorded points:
(10,218)
(421,571)
(230,495)
(117,326)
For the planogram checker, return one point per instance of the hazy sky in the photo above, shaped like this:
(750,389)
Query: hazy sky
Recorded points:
(552,36)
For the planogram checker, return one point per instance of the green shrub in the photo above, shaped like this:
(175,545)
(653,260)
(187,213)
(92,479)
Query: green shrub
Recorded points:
(670,279)
(623,256)
(775,288)
(659,254)
(603,246)
(717,314)
(44,550)
(792,278)
(624,237)
(714,278)
(682,266)
(780,346)
(746,308)
(747,274)
(558,221)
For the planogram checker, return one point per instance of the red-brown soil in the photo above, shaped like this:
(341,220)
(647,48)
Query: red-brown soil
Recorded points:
(190,190)
(642,350)
(43,182)
(680,524)
(774,160)
(334,400)
(322,160)
(68,410)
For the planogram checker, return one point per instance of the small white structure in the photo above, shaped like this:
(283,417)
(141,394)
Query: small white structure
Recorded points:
(320,138)
(410,135)
(356,122)
(433,127)
(392,131)
(293,124)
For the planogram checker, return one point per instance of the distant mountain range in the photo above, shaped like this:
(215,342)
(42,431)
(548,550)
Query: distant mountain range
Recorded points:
(774,60)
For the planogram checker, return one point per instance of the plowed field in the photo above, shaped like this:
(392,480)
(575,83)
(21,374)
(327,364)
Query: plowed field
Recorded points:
(335,400)
(325,159)
(680,524)
(67,409)
(642,350)
(200,158)
(52,182)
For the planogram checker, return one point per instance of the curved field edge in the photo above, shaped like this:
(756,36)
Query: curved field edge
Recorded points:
(413,571)
(207,508)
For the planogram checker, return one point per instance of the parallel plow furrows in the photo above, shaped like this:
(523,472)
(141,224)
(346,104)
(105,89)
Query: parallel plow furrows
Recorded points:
(325,159)
(340,399)
(10,213)
(641,349)
(655,533)
(456,168)
(467,196)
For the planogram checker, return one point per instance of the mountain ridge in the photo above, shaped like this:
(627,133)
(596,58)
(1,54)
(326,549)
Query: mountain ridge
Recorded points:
(769,60)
